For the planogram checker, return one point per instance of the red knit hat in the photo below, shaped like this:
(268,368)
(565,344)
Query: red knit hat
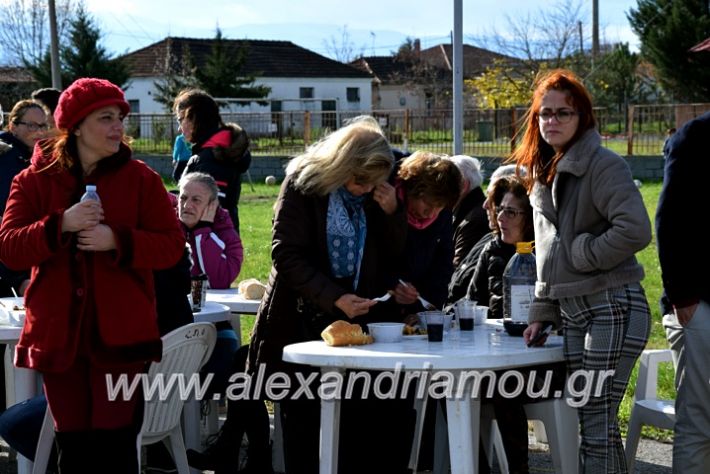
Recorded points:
(83,97)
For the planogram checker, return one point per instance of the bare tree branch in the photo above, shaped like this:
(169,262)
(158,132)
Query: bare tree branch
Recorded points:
(24,29)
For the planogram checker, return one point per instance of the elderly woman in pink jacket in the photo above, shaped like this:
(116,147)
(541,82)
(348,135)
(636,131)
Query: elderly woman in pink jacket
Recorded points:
(216,252)
(216,247)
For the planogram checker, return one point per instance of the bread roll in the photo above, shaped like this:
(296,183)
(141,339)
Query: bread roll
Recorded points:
(252,289)
(342,333)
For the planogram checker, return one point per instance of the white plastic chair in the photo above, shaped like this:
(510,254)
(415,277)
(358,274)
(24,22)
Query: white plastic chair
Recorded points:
(185,351)
(647,408)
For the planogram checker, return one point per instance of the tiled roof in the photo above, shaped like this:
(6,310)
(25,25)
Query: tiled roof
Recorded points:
(391,70)
(263,58)
(15,75)
(475,60)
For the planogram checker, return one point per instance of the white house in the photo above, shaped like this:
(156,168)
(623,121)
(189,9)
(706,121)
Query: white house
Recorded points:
(299,80)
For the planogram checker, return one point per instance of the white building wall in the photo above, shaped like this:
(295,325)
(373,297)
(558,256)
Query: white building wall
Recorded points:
(286,89)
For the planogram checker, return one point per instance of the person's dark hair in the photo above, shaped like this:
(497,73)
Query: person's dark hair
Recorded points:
(202,110)
(49,96)
(432,177)
(536,154)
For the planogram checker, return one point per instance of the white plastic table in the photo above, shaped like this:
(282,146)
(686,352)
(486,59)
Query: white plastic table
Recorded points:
(488,347)
(237,304)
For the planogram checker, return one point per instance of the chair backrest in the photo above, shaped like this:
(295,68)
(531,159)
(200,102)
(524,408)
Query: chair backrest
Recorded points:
(647,381)
(185,351)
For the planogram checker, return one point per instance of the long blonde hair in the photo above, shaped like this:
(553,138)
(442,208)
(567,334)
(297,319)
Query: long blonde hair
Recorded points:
(358,150)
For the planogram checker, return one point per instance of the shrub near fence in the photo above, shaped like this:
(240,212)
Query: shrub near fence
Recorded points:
(487,132)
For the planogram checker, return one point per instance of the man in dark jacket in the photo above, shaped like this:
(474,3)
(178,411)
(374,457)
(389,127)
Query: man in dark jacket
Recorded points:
(686,282)
(470,221)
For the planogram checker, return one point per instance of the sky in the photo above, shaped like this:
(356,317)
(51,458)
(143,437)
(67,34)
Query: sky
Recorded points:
(374,27)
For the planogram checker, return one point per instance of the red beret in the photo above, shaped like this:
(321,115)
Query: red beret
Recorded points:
(83,97)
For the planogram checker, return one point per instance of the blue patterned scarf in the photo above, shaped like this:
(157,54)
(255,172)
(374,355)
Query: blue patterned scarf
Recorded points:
(346,227)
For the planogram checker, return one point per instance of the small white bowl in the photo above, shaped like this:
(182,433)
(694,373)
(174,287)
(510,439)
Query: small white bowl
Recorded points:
(386,332)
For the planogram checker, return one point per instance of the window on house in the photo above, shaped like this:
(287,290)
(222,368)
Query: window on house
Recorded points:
(305,92)
(135,106)
(353,94)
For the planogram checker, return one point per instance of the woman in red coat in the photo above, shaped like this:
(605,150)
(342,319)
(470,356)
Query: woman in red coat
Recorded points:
(90,303)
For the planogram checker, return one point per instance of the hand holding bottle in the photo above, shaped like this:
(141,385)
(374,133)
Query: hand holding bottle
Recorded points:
(82,215)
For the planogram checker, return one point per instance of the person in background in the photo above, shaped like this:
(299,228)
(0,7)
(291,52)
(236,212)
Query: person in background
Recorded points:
(513,224)
(218,149)
(428,186)
(590,220)
(182,151)
(461,279)
(79,328)
(26,125)
(216,247)
(216,252)
(686,302)
(470,222)
(49,97)
(335,195)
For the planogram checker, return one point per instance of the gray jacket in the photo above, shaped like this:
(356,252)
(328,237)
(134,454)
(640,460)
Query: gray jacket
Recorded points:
(587,227)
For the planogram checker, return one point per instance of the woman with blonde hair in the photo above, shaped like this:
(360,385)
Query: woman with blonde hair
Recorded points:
(336,228)
(589,221)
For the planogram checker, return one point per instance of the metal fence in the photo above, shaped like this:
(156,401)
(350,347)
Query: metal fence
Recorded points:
(639,131)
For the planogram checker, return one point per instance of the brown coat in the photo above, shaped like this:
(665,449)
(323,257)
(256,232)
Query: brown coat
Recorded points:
(300,275)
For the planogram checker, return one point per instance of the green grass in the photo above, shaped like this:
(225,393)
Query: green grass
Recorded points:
(255,215)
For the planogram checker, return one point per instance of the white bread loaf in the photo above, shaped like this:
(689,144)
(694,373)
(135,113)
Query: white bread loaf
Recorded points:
(342,333)
(252,289)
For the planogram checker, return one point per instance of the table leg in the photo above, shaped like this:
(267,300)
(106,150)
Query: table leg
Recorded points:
(191,427)
(236,322)
(329,430)
(464,417)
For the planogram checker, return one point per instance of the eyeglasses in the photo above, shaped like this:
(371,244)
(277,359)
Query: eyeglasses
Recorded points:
(509,212)
(33,126)
(562,115)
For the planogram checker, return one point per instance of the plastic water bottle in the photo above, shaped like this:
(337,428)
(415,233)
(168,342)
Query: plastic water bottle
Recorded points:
(519,283)
(90,194)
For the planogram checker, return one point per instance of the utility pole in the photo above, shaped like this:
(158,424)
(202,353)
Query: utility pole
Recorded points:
(458,77)
(595,29)
(581,39)
(54,47)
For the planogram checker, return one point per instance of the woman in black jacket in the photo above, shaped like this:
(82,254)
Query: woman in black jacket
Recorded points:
(336,227)
(218,149)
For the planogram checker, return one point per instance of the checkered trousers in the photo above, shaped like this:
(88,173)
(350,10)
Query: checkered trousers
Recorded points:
(605,331)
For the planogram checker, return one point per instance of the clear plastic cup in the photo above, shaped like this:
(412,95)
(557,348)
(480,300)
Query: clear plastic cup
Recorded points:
(465,314)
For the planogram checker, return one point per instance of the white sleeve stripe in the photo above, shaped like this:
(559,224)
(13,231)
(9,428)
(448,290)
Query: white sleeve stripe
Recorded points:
(217,240)
(200,259)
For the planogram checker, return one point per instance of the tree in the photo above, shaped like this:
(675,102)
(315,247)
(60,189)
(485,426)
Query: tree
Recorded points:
(343,49)
(547,39)
(616,82)
(222,75)
(668,29)
(499,87)
(82,56)
(178,74)
(24,29)
(420,76)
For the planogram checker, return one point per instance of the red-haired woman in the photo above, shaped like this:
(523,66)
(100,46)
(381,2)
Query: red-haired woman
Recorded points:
(91,301)
(589,221)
